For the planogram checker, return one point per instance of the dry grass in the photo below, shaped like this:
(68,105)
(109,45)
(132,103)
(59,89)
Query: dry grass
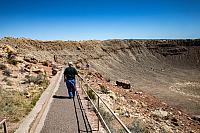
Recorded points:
(15,105)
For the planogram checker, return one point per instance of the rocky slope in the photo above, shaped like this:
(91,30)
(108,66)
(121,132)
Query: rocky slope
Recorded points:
(22,81)
(166,69)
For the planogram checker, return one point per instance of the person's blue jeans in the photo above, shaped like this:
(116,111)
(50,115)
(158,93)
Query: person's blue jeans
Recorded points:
(71,86)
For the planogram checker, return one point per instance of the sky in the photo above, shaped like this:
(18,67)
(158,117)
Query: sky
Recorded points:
(100,19)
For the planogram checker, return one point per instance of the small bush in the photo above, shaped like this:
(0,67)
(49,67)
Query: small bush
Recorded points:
(103,89)
(91,94)
(9,83)
(108,118)
(7,72)
(2,66)
(139,126)
(45,63)
(40,79)
(12,61)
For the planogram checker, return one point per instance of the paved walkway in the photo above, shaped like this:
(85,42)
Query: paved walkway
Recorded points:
(65,115)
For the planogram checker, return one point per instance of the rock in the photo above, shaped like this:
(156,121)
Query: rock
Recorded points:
(127,114)
(123,83)
(30,59)
(179,112)
(14,76)
(143,104)
(54,72)
(174,121)
(36,70)
(166,129)
(196,118)
(23,82)
(117,114)
(122,99)
(31,84)
(28,96)
(113,96)
(138,93)
(134,102)
(160,113)
(27,70)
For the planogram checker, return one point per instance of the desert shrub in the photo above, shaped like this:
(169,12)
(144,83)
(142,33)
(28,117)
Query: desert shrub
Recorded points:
(2,66)
(7,72)
(45,63)
(34,100)
(103,89)
(12,61)
(138,126)
(13,106)
(91,94)
(108,117)
(9,83)
(44,83)
(40,79)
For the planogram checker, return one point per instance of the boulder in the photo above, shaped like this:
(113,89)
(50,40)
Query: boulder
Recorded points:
(166,129)
(196,117)
(54,72)
(160,113)
(30,59)
(23,82)
(123,83)
(37,70)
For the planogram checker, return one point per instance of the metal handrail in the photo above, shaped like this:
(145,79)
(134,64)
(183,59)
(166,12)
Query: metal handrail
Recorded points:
(3,121)
(99,98)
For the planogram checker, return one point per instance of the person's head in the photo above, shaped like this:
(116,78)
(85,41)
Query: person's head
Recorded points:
(70,64)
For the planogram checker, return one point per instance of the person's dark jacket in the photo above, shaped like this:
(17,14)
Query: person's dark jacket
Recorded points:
(70,73)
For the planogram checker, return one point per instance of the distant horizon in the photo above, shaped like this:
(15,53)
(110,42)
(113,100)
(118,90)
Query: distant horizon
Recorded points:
(103,39)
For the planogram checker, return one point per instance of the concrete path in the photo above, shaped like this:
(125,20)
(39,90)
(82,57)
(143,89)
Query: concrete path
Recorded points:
(65,115)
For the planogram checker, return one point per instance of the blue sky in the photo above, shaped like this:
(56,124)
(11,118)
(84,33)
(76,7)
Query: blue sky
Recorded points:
(100,19)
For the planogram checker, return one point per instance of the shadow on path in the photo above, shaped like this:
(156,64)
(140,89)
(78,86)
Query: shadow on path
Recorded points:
(61,97)
(87,128)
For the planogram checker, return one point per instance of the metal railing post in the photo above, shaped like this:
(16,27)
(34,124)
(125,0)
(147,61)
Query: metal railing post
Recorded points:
(87,92)
(81,84)
(98,110)
(5,127)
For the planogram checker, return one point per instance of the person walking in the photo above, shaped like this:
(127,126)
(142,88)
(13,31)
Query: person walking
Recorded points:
(69,77)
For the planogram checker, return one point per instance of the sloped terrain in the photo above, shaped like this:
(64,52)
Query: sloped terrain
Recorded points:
(167,69)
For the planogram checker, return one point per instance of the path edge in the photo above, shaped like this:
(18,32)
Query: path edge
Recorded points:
(41,106)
